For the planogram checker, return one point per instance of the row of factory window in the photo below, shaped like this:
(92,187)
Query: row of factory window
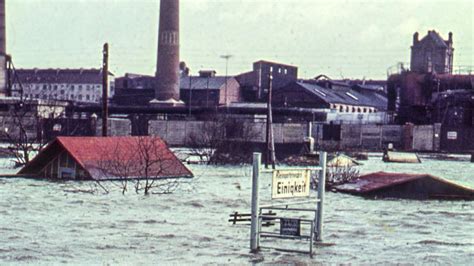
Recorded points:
(58,86)
(353,109)
(80,97)
(279,70)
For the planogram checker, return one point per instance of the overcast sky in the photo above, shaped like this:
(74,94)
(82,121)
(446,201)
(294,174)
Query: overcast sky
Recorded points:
(351,39)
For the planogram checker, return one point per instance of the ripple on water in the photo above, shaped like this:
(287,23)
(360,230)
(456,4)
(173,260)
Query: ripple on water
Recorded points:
(196,204)
(25,258)
(443,243)
(167,236)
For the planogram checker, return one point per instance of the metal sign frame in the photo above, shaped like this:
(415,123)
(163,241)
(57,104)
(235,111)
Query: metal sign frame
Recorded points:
(316,224)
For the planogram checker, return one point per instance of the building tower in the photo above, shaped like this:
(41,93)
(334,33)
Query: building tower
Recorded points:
(432,54)
(167,66)
(3,51)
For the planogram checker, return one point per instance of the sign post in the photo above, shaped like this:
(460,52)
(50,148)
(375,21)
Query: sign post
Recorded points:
(286,184)
(321,191)
(254,214)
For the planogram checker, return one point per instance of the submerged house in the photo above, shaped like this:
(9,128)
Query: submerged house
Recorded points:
(105,158)
(407,186)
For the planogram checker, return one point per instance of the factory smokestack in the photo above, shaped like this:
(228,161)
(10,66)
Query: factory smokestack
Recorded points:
(167,67)
(3,51)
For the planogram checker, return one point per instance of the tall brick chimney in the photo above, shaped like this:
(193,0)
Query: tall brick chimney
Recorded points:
(3,51)
(167,66)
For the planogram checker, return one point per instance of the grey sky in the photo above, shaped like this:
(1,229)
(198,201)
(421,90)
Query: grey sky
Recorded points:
(338,38)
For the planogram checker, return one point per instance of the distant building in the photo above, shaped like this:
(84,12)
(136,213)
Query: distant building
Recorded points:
(208,90)
(17,115)
(341,104)
(79,85)
(135,81)
(432,54)
(205,90)
(255,84)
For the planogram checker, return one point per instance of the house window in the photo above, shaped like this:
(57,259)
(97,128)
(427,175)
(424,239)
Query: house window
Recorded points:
(341,108)
(79,97)
(88,97)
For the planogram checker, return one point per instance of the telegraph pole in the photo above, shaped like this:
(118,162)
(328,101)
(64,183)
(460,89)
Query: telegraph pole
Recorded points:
(105,88)
(269,136)
(190,95)
(226,57)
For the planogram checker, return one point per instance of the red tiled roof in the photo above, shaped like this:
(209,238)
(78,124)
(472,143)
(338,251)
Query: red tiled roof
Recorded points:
(116,157)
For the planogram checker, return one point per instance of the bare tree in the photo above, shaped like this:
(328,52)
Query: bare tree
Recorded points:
(144,165)
(22,128)
(224,140)
(19,125)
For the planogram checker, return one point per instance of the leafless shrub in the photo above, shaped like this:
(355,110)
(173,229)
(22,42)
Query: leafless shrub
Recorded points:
(337,175)
(223,141)
(19,129)
(142,167)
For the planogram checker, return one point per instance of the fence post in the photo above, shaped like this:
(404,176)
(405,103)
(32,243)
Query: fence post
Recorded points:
(321,190)
(254,214)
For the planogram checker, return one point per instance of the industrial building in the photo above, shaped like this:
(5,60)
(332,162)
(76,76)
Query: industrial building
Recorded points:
(256,83)
(429,92)
(205,90)
(340,104)
(78,85)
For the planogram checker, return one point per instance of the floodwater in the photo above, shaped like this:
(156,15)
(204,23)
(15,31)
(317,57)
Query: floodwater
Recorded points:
(52,223)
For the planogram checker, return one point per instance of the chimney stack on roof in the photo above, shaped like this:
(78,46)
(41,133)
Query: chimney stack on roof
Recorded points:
(415,37)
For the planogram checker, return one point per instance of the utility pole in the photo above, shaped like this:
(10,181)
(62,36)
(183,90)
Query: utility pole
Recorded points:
(226,57)
(190,95)
(269,136)
(105,89)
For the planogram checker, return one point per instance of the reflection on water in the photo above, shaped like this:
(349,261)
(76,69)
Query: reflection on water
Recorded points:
(46,223)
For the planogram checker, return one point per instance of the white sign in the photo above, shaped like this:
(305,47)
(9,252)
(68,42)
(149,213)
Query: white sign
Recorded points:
(452,135)
(290,184)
